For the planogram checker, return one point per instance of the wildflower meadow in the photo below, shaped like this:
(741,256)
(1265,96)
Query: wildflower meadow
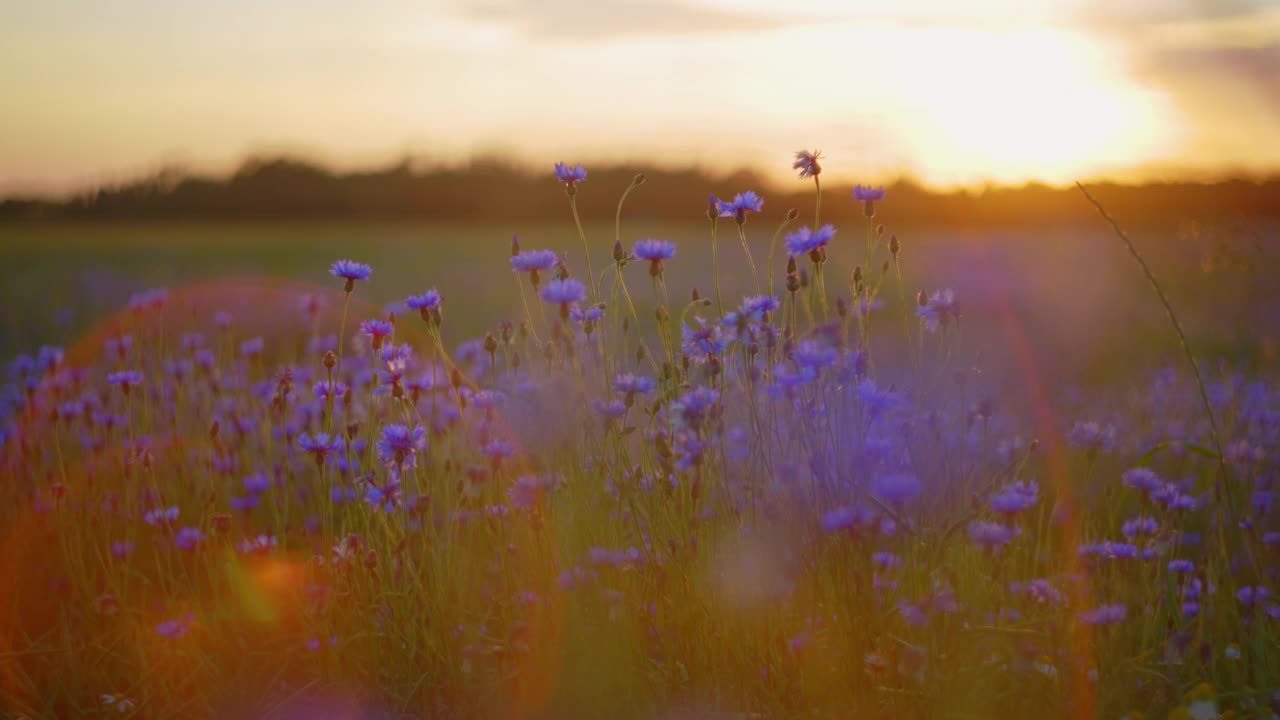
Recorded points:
(629,498)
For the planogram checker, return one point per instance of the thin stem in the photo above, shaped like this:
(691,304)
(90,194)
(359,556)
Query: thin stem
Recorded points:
(715,268)
(773,247)
(1224,482)
(755,277)
(817,203)
(586,251)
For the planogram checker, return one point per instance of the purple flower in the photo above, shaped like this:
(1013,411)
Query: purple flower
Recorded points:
(570,176)
(350,271)
(125,379)
(174,628)
(377,330)
(613,410)
(631,384)
(161,517)
(400,444)
(1144,479)
(252,347)
(1015,498)
(426,302)
(741,204)
(868,194)
(896,489)
(1104,615)
(1109,550)
(1181,566)
(319,445)
(696,406)
(1043,592)
(325,389)
(654,250)
(533,261)
(989,535)
(1093,436)
(1140,526)
(257,483)
(562,293)
(939,310)
(810,242)
(122,548)
(807,163)
(842,519)
(1250,596)
(700,343)
(188,538)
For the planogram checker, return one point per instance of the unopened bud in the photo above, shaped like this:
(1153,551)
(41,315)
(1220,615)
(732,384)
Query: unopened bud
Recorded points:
(638,179)
(515,245)
(894,246)
(330,359)
(922,299)
(792,214)
(618,253)
(490,343)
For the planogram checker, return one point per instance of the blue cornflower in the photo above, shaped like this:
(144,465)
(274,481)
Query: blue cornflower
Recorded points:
(324,390)
(810,242)
(1015,498)
(868,197)
(570,176)
(701,343)
(807,163)
(377,330)
(868,194)
(814,354)
(387,497)
(161,517)
(631,385)
(939,310)
(612,410)
(655,251)
(125,379)
(1252,595)
(253,347)
(426,302)
(755,308)
(991,536)
(399,445)
(319,445)
(696,406)
(1092,436)
(563,293)
(351,271)
(1105,615)
(257,483)
(534,262)
(188,538)
(593,314)
(842,519)
(741,204)
(1109,550)
(896,489)
(1140,526)
(1181,566)
(1043,592)
(174,628)
(1144,479)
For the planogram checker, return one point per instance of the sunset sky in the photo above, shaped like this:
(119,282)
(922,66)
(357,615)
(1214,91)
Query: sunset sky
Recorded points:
(945,91)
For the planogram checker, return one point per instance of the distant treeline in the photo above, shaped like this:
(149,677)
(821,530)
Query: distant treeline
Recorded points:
(289,189)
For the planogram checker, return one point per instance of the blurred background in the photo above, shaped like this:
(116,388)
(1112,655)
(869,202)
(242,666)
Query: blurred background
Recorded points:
(164,144)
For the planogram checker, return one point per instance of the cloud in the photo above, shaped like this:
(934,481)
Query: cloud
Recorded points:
(591,20)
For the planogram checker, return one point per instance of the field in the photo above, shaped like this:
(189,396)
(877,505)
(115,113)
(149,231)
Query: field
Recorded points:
(900,505)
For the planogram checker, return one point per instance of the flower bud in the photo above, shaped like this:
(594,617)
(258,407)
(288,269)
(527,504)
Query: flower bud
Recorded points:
(894,246)
(515,245)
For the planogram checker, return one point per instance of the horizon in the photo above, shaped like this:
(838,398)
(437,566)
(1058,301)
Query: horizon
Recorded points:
(1155,91)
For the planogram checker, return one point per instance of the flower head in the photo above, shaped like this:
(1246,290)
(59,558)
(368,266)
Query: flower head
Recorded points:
(533,261)
(400,444)
(989,535)
(1015,498)
(570,176)
(351,271)
(741,204)
(896,489)
(655,251)
(429,300)
(125,379)
(807,163)
(319,445)
(377,330)
(868,194)
(939,310)
(1104,615)
(563,293)
(811,242)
